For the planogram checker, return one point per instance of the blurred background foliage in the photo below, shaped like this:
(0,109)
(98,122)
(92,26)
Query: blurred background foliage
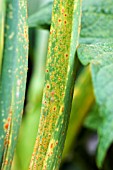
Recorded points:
(82,139)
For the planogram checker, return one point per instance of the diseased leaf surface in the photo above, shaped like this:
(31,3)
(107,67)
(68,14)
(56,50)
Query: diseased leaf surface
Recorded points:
(59,84)
(100,58)
(13,78)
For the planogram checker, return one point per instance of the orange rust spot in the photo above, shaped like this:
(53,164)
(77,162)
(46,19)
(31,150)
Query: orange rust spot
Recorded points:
(66,55)
(45,167)
(54,108)
(65,22)
(56,142)
(48,154)
(6,142)
(65,15)
(49,135)
(6,126)
(44,102)
(9,119)
(48,86)
(63,94)
(62,10)
(59,78)
(25,33)
(52,93)
(59,20)
(47,71)
(6,162)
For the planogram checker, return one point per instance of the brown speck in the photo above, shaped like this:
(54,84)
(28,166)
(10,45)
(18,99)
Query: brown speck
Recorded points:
(62,10)
(51,146)
(54,108)
(56,142)
(48,86)
(66,55)
(59,20)
(6,126)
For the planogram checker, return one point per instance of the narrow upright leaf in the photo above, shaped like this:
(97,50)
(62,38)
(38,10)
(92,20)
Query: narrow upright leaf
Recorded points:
(59,83)
(13,79)
(30,121)
(83,93)
(2,16)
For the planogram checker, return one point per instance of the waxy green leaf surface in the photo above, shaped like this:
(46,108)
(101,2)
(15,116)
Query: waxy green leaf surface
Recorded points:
(97,21)
(59,83)
(100,57)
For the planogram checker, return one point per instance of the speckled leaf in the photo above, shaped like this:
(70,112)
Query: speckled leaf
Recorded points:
(59,82)
(13,78)
(100,57)
(30,121)
(2,16)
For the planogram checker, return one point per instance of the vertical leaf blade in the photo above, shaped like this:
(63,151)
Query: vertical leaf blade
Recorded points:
(2,15)
(83,93)
(59,82)
(13,78)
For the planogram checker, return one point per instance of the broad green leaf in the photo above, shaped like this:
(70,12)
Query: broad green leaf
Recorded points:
(100,57)
(13,78)
(2,16)
(42,18)
(83,99)
(97,20)
(93,119)
(59,84)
